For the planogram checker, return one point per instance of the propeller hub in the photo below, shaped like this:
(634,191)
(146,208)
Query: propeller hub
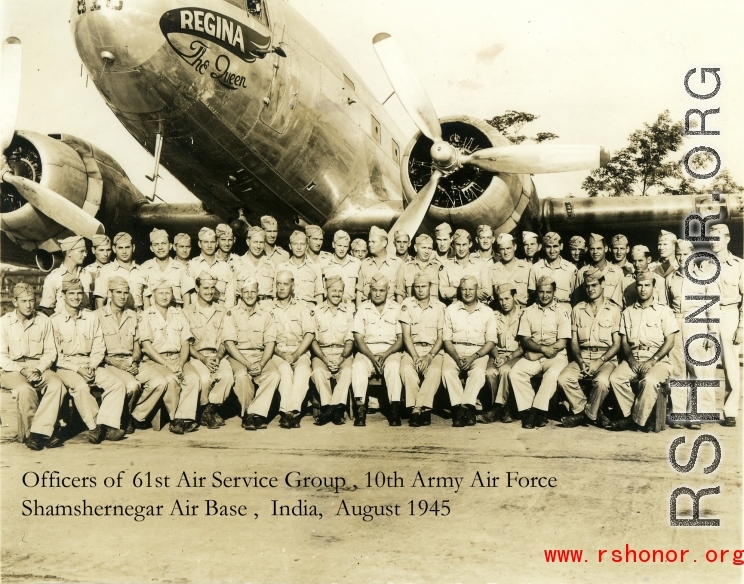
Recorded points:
(445,156)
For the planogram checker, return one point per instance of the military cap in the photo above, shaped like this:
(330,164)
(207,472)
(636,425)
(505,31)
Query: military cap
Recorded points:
(281,273)
(161,284)
(223,229)
(644,276)
(122,236)
(619,239)
(254,230)
(249,283)
(206,276)
(297,235)
(443,229)
(341,235)
(527,235)
(333,280)
(181,238)
(596,238)
(468,279)
(22,289)
(421,278)
(506,287)
(720,228)
(577,242)
(100,240)
(551,237)
(664,235)
(484,229)
(639,250)
(684,245)
(424,238)
(157,234)
(206,232)
(504,238)
(71,282)
(460,234)
(313,230)
(380,279)
(593,274)
(401,233)
(71,242)
(268,221)
(377,232)
(358,244)
(117,282)
(545,281)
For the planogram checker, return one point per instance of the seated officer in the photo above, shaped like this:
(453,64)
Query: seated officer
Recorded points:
(52,296)
(307,278)
(206,321)
(27,351)
(561,271)
(647,331)
(422,324)
(612,274)
(594,343)
(544,331)
(463,264)
(332,347)
(163,267)
(165,336)
(124,266)
(81,349)
(359,249)
(256,265)
(343,264)
(378,337)
(509,269)
(250,338)
(421,263)
(469,335)
(640,257)
(295,329)
(207,261)
(504,355)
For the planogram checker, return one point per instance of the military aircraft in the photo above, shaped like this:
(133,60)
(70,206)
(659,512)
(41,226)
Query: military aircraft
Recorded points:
(252,109)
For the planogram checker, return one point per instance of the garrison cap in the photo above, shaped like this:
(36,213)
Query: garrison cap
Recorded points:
(254,230)
(268,221)
(341,235)
(506,287)
(206,276)
(285,273)
(504,238)
(122,236)
(71,242)
(527,235)
(22,289)
(684,245)
(161,284)
(71,282)
(639,250)
(460,234)
(313,230)
(333,281)
(181,238)
(375,231)
(619,239)
(484,229)
(443,229)
(720,228)
(551,237)
(577,242)
(667,235)
(421,278)
(358,244)
(468,279)
(545,281)
(424,238)
(158,234)
(596,238)
(380,279)
(297,235)
(206,232)
(223,229)
(645,276)
(100,240)
(593,274)
(249,283)
(401,233)
(117,283)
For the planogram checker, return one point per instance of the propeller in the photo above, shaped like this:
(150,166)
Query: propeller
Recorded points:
(538,158)
(43,199)
(410,220)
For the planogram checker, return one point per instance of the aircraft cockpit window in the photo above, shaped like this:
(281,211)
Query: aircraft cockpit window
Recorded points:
(256,9)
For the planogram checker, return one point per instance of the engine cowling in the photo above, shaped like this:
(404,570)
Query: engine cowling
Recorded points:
(468,197)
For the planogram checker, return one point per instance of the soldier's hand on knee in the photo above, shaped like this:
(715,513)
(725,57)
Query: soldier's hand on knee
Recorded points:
(592,367)
(646,367)
(549,351)
(739,336)
(31,375)
(86,373)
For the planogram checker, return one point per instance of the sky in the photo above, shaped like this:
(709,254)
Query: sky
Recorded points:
(593,71)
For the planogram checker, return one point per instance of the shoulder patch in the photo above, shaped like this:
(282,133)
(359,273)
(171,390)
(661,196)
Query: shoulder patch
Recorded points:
(404,307)
(441,267)
(312,313)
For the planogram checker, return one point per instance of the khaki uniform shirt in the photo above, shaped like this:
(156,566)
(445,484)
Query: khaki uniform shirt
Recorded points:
(250,330)
(645,328)
(79,340)
(119,336)
(166,334)
(679,287)
(135,277)
(630,296)
(206,324)
(263,271)
(517,273)
(293,322)
(564,275)
(425,322)
(408,271)
(545,325)
(32,340)
(595,331)
(507,326)
(278,256)
(486,256)
(175,273)
(349,272)
(93,270)
(469,331)
(220,270)
(51,293)
(613,283)
(731,282)
(333,327)
(627,268)
(371,265)
(308,279)
(660,268)
(454,271)
(379,329)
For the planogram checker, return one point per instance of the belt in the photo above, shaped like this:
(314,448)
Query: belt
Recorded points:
(424,344)
(333,346)
(208,351)
(467,344)
(26,359)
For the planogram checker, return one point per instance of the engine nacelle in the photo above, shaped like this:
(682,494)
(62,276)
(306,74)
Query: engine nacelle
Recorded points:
(469,196)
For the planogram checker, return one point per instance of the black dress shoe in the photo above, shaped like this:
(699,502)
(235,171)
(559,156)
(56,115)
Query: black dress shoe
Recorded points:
(729,422)
(285,420)
(114,434)
(460,417)
(506,417)
(176,426)
(217,418)
(603,421)
(490,415)
(415,420)
(55,441)
(426,418)
(260,422)
(189,426)
(675,426)
(541,418)
(394,418)
(129,428)
(326,414)
(247,422)
(528,419)
(97,434)
(470,411)
(139,425)
(294,420)
(360,414)
(620,425)
(35,441)
(208,418)
(338,414)
(574,420)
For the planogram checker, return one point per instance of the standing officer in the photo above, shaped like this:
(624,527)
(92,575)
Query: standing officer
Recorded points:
(378,337)
(612,274)
(165,336)
(421,263)
(27,352)
(647,331)
(206,322)
(595,341)
(332,347)
(640,257)
(532,246)
(666,264)
(207,261)
(505,354)
(343,264)
(484,243)
(544,331)
(620,250)
(731,282)
(52,296)
(306,275)
(422,325)
(443,237)
(402,244)
(80,346)
(256,265)
(510,270)
(101,248)
(378,262)
(315,244)
(274,252)
(359,249)
(561,271)
(182,248)
(124,266)
(463,264)
(163,267)
(250,338)
(469,336)
(225,243)
(577,251)
(295,330)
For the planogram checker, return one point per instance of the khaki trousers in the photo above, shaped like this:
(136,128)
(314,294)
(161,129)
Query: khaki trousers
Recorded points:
(179,397)
(112,400)
(476,379)
(639,406)
(498,380)
(422,395)
(731,352)
(35,414)
(684,369)
(362,369)
(295,381)
(322,379)
(245,384)
(522,373)
(213,387)
(569,382)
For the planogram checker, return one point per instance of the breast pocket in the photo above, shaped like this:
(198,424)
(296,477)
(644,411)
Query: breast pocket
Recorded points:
(604,330)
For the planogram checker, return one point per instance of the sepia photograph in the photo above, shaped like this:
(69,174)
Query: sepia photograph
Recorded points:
(484,259)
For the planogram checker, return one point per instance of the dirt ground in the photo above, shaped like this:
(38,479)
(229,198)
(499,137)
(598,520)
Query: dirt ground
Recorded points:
(609,490)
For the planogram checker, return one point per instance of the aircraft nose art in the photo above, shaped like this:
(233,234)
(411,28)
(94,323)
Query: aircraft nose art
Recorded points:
(117,35)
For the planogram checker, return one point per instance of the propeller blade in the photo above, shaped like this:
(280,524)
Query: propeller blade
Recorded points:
(538,158)
(410,220)
(55,206)
(407,85)
(10,90)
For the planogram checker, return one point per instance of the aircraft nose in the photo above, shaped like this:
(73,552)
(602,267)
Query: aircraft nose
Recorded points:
(119,35)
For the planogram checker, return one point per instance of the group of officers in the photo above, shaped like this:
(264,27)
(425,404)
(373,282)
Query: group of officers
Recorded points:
(182,332)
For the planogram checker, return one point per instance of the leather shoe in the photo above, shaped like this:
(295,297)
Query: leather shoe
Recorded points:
(326,413)
(208,418)
(693,426)
(129,427)
(114,434)
(248,422)
(528,419)
(176,426)
(394,418)
(490,415)
(574,420)
(415,420)
(729,422)
(426,418)
(620,425)
(97,434)
(470,411)
(285,420)
(603,421)
(35,441)
(360,414)
(189,426)
(294,420)
(541,418)
(260,422)
(217,418)
(139,425)
(506,417)
(675,426)
(338,416)
(460,417)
